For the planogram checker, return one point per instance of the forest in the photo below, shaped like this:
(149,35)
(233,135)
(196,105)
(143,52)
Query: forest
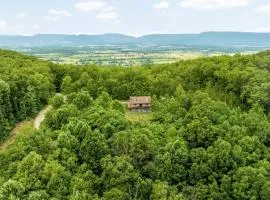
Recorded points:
(208,138)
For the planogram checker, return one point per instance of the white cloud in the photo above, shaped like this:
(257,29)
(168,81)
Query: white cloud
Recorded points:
(265,29)
(162,5)
(213,4)
(56,15)
(108,9)
(22,15)
(171,25)
(117,22)
(100,8)
(79,33)
(107,16)
(62,13)
(145,33)
(3,24)
(36,26)
(26,34)
(264,9)
(19,26)
(52,18)
(167,14)
(90,6)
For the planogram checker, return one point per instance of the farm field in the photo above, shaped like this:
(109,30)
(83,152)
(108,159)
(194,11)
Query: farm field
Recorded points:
(128,55)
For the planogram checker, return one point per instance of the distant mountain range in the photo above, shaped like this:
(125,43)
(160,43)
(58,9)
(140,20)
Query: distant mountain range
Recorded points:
(202,39)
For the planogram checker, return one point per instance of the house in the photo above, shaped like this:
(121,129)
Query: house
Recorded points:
(139,103)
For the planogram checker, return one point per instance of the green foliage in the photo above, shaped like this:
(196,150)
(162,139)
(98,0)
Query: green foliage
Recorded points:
(207,136)
(93,148)
(82,100)
(162,191)
(11,190)
(26,84)
(57,101)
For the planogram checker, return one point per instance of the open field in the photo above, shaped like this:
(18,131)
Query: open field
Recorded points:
(128,55)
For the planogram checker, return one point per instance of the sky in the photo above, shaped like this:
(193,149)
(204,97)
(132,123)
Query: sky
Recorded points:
(132,17)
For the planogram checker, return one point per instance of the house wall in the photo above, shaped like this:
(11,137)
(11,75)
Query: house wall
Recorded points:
(139,107)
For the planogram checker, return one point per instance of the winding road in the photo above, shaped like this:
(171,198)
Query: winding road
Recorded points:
(41,116)
(35,123)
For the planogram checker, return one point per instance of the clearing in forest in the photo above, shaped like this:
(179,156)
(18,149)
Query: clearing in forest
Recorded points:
(138,116)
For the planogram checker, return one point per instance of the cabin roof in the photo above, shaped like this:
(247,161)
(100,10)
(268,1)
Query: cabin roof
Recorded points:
(140,99)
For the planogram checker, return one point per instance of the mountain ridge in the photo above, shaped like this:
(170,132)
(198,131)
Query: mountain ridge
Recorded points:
(205,38)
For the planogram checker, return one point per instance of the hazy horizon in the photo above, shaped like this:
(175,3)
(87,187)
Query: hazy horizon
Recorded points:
(136,36)
(136,18)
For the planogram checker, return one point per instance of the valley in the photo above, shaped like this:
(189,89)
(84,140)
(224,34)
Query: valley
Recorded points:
(129,55)
(124,50)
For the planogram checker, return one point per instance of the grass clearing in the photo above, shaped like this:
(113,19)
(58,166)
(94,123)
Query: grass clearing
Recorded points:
(138,116)
(21,128)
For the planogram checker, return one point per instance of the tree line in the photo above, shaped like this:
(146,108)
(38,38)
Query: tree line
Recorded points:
(26,85)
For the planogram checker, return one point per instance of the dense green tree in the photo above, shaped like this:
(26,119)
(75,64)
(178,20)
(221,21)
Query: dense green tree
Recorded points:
(57,118)
(57,101)
(93,148)
(26,84)
(162,191)
(118,173)
(82,100)
(6,115)
(38,195)
(12,190)
(28,172)
(208,137)
(85,184)
(56,179)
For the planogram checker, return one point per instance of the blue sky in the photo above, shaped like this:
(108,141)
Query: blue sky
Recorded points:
(133,17)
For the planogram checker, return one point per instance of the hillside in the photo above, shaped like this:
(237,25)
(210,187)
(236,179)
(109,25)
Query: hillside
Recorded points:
(208,136)
(203,39)
(26,85)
